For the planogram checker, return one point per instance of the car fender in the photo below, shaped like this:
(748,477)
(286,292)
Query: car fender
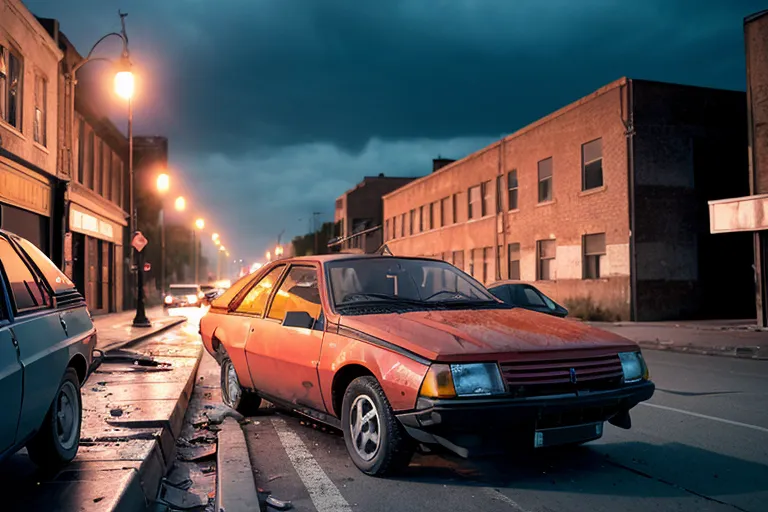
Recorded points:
(400,376)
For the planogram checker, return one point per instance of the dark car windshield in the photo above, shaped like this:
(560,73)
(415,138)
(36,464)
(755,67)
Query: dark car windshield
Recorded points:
(183,290)
(56,278)
(403,280)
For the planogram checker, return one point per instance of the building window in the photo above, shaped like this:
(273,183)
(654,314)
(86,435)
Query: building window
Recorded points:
(97,166)
(10,88)
(485,187)
(458,259)
(386,230)
(497,266)
(432,208)
(116,178)
(413,221)
(545,250)
(594,255)
(455,208)
(513,262)
(89,169)
(339,204)
(545,180)
(443,211)
(472,262)
(402,225)
(487,258)
(40,132)
(592,164)
(474,203)
(499,199)
(512,189)
(421,219)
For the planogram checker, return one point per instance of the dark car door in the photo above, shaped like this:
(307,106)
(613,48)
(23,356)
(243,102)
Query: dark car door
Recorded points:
(10,376)
(40,335)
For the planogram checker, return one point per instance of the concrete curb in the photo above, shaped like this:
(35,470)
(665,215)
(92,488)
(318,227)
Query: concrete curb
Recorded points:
(235,488)
(141,490)
(142,337)
(740,352)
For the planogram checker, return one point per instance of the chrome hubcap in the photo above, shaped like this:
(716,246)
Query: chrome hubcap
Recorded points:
(233,386)
(364,426)
(66,416)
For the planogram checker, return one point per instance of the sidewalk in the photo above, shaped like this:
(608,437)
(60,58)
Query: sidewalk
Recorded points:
(133,410)
(734,338)
(116,330)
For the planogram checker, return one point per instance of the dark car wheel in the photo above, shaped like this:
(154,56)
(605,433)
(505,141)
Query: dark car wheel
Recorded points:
(232,393)
(58,439)
(376,442)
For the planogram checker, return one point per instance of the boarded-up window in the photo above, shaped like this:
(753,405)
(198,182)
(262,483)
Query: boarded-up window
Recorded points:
(443,211)
(487,258)
(594,255)
(455,208)
(545,250)
(458,259)
(472,262)
(421,219)
(402,225)
(513,261)
(592,164)
(413,222)
(545,180)
(474,203)
(487,198)
(512,189)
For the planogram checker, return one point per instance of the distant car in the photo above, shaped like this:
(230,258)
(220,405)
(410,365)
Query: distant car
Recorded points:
(398,352)
(47,340)
(183,296)
(526,296)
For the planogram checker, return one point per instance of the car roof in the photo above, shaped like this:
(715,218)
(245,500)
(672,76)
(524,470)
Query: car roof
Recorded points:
(509,281)
(328,258)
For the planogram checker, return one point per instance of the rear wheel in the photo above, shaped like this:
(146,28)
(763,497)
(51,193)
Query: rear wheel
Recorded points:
(376,442)
(58,439)
(232,393)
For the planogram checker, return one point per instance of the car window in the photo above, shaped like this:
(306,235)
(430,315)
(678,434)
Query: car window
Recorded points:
(256,299)
(223,300)
(57,280)
(533,298)
(501,292)
(525,296)
(298,292)
(183,290)
(25,289)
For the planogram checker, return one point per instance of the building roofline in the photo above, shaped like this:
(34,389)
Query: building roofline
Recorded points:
(34,24)
(557,113)
(755,16)
(361,183)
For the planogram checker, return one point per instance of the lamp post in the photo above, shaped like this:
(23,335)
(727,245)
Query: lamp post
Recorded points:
(199,225)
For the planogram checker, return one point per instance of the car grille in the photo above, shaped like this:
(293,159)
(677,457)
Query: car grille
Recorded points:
(554,376)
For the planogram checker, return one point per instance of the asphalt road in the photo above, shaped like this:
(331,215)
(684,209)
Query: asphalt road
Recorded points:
(700,444)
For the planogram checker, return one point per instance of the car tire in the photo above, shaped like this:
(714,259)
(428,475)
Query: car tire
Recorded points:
(394,448)
(57,441)
(232,393)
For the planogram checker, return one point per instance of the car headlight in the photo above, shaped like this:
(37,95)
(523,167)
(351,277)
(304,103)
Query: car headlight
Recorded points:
(450,381)
(633,366)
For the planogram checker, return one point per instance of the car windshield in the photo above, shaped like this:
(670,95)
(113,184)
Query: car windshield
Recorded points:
(183,290)
(402,280)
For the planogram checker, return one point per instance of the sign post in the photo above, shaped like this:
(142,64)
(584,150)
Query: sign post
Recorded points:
(139,242)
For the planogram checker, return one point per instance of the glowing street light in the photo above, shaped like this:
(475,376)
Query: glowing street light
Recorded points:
(217,242)
(278,251)
(200,224)
(222,248)
(180,204)
(215,237)
(269,256)
(124,85)
(163,183)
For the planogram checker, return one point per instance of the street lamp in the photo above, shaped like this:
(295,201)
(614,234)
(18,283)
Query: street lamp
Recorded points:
(180,204)
(163,184)
(199,224)
(215,237)
(278,251)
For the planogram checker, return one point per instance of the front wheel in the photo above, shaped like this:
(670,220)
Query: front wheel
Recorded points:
(233,394)
(376,442)
(58,439)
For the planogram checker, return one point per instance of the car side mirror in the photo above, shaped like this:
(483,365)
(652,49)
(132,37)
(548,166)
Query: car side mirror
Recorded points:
(300,319)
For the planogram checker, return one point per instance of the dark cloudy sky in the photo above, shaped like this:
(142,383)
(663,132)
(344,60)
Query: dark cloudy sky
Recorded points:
(273,108)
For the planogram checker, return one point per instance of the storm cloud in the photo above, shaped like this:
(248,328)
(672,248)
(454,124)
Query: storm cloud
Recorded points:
(275,107)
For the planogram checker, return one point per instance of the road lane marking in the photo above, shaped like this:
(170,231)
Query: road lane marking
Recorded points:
(498,495)
(704,416)
(324,494)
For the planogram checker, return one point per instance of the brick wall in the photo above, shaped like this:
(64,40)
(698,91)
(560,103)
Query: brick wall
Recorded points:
(756,39)
(571,214)
(689,148)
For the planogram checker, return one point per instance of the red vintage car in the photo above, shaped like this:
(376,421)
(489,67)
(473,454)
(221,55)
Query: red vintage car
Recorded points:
(401,352)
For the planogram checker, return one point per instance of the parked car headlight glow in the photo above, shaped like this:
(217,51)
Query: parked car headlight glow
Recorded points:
(168,299)
(477,379)
(633,366)
(192,299)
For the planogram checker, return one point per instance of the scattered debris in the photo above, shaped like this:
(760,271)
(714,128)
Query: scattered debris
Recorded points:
(197,453)
(96,500)
(278,504)
(116,412)
(181,499)
(275,477)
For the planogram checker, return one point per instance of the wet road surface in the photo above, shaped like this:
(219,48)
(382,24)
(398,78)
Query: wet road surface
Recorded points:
(701,444)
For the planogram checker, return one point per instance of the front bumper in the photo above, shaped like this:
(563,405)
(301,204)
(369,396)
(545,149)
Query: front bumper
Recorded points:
(480,426)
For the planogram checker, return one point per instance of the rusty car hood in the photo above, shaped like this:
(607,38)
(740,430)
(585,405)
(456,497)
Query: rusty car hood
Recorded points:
(456,335)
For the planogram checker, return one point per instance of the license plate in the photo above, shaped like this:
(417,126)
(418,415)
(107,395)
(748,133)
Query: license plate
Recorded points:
(567,435)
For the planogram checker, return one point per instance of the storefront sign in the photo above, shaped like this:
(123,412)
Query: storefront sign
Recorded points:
(24,191)
(89,224)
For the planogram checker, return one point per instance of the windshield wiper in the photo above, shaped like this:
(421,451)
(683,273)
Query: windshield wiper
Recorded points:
(379,297)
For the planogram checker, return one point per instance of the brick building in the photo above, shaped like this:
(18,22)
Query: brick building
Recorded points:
(603,200)
(29,184)
(358,214)
(743,213)
(95,171)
